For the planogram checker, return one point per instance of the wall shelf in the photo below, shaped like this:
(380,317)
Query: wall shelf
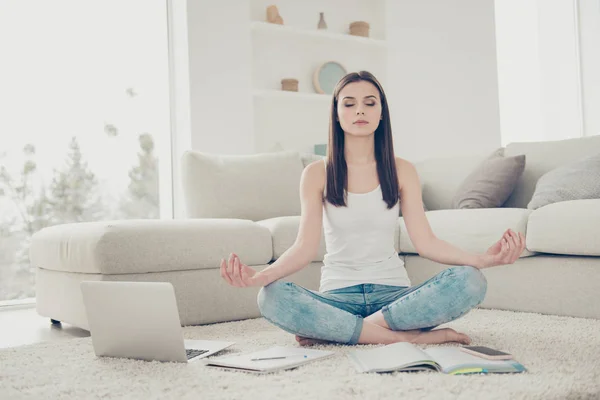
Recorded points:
(259,26)
(284,94)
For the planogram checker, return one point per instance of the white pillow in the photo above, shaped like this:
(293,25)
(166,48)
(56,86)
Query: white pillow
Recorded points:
(254,187)
(308,158)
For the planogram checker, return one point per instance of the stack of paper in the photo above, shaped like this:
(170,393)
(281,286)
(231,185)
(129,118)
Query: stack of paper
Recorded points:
(269,360)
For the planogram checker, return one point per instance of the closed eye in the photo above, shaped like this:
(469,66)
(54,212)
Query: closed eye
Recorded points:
(351,105)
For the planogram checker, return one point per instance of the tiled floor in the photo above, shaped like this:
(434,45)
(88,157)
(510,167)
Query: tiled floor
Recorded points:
(23,325)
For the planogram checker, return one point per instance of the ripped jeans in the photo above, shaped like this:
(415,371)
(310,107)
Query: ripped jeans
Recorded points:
(337,315)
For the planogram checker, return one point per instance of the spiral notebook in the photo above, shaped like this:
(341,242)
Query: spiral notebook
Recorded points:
(269,360)
(407,357)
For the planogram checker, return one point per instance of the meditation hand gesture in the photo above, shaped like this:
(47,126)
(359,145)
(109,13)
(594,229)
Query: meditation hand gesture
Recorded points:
(507,250)
(240,275)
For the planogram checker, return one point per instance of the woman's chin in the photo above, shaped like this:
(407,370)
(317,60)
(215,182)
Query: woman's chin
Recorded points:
(360,133)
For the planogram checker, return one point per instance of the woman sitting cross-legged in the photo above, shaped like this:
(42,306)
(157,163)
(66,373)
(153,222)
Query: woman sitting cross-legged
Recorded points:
(355,194)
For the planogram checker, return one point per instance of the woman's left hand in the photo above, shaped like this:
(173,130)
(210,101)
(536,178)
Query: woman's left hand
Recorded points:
(507,250)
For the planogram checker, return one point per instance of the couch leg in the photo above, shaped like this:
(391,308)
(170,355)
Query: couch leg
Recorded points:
(54,322)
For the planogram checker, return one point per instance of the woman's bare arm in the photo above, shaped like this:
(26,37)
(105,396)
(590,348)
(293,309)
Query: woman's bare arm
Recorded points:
(421,235)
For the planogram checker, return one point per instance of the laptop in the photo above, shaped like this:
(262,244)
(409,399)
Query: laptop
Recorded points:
(140,320)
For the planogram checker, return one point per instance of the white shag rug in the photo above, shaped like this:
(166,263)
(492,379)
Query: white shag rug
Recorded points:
(562,355)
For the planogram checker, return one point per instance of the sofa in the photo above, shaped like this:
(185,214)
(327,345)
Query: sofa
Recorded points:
(250,205)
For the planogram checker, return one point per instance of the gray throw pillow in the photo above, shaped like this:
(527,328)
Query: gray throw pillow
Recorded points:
(573,181)
(491,183)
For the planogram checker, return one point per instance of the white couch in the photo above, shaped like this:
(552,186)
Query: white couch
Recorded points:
(250,205)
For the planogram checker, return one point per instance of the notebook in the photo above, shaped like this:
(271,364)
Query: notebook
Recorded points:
(269,360)
(405,356)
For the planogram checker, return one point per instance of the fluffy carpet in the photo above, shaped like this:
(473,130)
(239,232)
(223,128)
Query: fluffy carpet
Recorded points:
(561,353)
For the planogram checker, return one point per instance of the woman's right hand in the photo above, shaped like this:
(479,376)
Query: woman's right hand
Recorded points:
(239,274)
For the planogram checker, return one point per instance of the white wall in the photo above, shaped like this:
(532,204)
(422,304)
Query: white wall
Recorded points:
(538,70)
(462,77)
(589,40)
(442,77)
(220,76)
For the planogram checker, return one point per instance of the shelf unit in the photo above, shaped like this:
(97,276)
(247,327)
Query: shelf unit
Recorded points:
(299,120)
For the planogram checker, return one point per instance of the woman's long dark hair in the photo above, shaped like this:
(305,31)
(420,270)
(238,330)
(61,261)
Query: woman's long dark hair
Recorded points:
(337,169)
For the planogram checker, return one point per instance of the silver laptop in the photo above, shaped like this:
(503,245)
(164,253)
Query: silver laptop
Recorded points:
(140,320)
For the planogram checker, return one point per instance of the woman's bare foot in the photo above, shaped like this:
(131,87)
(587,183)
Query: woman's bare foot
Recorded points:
(438,336)
(458,337)
(304,341)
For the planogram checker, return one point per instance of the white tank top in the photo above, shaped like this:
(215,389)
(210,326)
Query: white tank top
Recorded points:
(359,242)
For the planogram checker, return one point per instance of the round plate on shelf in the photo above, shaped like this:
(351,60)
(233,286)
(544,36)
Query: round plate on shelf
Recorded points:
(327,75)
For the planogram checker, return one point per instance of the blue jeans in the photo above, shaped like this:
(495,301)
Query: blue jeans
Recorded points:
(337,315)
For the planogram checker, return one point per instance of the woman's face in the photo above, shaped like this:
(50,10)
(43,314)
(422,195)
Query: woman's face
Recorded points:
(359,108)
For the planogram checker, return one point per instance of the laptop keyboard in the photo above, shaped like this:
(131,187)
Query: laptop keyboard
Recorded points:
(191,353)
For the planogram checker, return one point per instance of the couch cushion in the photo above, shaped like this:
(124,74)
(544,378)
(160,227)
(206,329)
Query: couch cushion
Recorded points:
(546,283)
(284,231)
(255,186)
(139,246)
(472,230)
(574,181)
(543,157)
(441,178)
(491,183)
(568,227)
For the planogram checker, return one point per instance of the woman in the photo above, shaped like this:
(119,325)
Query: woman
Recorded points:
(356,194)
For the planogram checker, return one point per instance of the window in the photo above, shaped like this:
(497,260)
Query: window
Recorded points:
(84,105)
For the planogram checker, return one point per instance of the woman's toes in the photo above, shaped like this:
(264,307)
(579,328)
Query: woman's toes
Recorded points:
(454,336)
(464,339)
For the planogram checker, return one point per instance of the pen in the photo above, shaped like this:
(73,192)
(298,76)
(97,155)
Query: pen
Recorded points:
(276,358)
